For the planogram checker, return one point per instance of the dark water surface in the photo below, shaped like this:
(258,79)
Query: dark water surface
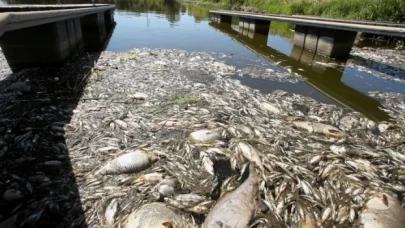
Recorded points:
(170,25)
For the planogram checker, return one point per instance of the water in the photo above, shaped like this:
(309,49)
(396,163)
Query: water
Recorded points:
(167,24)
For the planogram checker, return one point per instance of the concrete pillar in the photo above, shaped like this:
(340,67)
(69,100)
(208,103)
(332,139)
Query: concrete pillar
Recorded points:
(79,35)
(109,18)
(255,25)
(94,31)
(307,57)
(335,43)
(311,39)
(221,18)
(41,45)
(242,22)
(299,35)
(258,39)
(296,52)
(259,26)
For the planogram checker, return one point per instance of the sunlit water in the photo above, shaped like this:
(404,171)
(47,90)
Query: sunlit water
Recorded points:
(170,25)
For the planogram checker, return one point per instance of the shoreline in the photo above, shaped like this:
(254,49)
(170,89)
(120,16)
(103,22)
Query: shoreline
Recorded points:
(75,119)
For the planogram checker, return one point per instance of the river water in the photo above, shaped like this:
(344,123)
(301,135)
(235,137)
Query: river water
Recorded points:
(170,25)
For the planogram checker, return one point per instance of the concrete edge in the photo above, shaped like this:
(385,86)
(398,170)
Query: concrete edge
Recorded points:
(383,30)
(17,20)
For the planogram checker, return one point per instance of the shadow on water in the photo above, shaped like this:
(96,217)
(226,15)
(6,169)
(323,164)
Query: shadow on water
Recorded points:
(312,67)
(38,184)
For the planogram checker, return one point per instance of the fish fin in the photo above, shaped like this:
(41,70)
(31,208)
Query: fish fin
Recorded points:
(168,224)
(335,132)
(383,198)
(142,149)
(119,154)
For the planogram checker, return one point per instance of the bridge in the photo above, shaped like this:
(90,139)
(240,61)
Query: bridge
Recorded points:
(333,38)
(326,80)
(36,35)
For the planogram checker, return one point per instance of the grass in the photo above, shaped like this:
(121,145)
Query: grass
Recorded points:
(376,10)
(129,57)
(184,99)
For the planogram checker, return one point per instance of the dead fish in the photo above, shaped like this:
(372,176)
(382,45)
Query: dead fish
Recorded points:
(121,123)
(270,108)
(150,178)
(20,87)
(382,127)
(250,153)
(207,163)
(130,162)
(155,215)
(338,149)
(189,198)
(319,128)
(139,96)
(348,121)
(383,210)
(12,195)
(201,208)
(235,209)
(309,221)
(169,123)
(204,136)
(166,190)
(111,212)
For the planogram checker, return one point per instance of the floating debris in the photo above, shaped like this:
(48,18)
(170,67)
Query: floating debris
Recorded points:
(168,126)
(270,74)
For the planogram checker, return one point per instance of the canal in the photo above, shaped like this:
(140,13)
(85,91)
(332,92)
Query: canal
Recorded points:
(171,25)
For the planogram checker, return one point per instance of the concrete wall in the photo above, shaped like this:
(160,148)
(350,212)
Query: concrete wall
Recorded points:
(40,45)
(221,18)
(255,25)
(94,31)
(332,43)
(54,43)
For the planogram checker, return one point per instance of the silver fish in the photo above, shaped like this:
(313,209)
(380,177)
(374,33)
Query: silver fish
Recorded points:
(128,163)
(155,215)
(383,210)
(235,209)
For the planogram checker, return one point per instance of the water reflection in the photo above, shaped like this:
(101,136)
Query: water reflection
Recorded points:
(316,70)
(169,24)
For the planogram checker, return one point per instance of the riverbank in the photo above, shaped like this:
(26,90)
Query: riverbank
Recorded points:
(64,127)
(375,10)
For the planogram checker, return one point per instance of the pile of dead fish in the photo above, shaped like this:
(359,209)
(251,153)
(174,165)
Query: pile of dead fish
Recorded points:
(383,63)
(270,74)
(160,138)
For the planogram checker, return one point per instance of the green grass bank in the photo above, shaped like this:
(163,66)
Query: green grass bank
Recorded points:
(376,10)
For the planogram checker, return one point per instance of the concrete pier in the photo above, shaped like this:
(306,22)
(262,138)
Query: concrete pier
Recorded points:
(52,34)
(109,18)
(255,25)
(332,43)
(259,39)
(221,18)
(335,43)
(94,31)
(333,38)
(45,44)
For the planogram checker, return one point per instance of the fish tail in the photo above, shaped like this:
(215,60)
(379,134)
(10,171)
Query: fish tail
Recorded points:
(168,224)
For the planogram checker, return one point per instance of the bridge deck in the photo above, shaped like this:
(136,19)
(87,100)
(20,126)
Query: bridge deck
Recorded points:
(355,26)
(26,16)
